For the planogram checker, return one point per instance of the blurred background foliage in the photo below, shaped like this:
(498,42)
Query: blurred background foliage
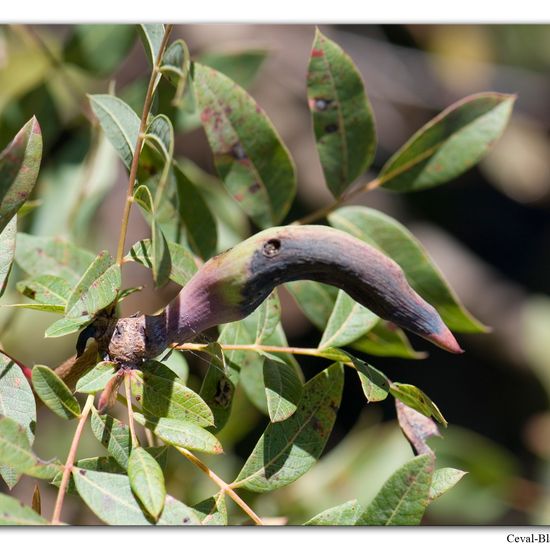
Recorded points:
(489,232)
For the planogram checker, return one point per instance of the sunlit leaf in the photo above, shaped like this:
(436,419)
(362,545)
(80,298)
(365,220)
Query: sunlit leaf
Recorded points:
(451,143)
(19,166)
(288,449)
(344,514)
(251,159)
(65,326)
(7,252)
(418,400)
(374,383)
(114,436)
(443,480)
(404,497)
(12,512)
(96,379)
(15,448)
(147,481)
(342,116)
(54,393)
(283,389)
(348,321)
(396,241)
(47,290)
(119,122)
(212,511)
(97,288)
(181,433)
(151,35)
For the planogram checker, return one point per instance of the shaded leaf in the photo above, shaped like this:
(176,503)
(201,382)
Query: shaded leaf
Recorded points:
(12,512)
(404,497)
(387,340)
(119,122)
(54,393)
(66,326)
(195,214)
(161,394)
(316,300)
(161,134)
(288,449)
(251,159)
(176,63)
(51,256)
(240,66)
(342,118)
(283,389)
(151,35)
(96,379)
(393,239)
(99,49)
(212,511)
(415,398)
(15,448)
(348,321)
(114,436)
(443,480)
(181,433)
(343,514)
(451,143)
(147,481)
(19,166)
(36,500)
(416,427)
(7,252)
(183,265)
(97,288)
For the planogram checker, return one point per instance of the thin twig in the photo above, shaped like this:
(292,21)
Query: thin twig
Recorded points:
(222,485)
(252,347)
(70,460)
(155,74)
(135,442)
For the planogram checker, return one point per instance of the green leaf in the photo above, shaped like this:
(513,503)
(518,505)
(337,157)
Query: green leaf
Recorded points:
(241,66)
(162,394)
(288,449)
(46,289)
(183,263)
(342,117)
(161,134)
(418,400)
(151,35)
(212,511)
(196,216)
(394,240)
(54,393)
(65,326)
(19,166)
(343,514)
(251,159)
(147,481)
(404,497)
(387,340)
(96,379)
(12,512)
(51,256)
(181,433)
(15,448)
(99,49)
(111,499)
(16,402)
(113,435)
(159,252)
(374,383)
(7,252)
(448,145)
(283,389)
(263,323)
(119,122)
(176,63)
(443,480)
(316,300)
(347,322)
(97,288)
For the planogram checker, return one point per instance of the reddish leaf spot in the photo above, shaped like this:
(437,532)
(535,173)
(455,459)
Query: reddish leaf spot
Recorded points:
(254,188)
(317,53)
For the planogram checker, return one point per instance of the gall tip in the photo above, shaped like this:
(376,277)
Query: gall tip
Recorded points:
(445,339)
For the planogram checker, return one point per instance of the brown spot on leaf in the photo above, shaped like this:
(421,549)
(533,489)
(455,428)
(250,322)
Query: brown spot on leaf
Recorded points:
(254,187)
(317,53)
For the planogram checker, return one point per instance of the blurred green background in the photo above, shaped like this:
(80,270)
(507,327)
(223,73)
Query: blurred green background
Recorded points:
(489,232)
